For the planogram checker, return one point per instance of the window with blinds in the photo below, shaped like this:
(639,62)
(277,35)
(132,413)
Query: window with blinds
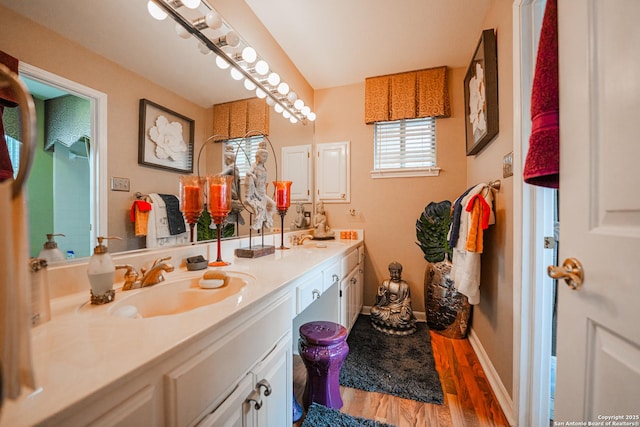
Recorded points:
(246,153)
(405,148)
(14,152)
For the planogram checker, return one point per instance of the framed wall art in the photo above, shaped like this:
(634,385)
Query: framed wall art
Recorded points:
(481,94)
(165,138)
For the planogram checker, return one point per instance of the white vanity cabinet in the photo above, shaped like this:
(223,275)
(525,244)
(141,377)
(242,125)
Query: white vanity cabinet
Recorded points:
(262,398)
(258,347)
(352,287)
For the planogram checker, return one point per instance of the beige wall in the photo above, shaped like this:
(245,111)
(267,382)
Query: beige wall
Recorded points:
(387,209)
(493,317)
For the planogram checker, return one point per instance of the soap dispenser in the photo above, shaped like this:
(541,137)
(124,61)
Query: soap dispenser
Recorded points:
(101,272)
(50,251)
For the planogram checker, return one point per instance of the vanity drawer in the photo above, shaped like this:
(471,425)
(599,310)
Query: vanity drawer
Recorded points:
(331,275)
(349,262)
(308,290)
(200,384)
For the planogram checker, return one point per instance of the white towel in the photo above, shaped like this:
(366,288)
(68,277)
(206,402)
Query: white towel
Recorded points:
(158,226)
(15,325)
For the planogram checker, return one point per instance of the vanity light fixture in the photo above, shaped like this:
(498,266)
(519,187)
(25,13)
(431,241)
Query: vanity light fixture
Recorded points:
(200,20)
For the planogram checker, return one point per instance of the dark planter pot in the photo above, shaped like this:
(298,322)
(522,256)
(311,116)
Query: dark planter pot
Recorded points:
(448,311)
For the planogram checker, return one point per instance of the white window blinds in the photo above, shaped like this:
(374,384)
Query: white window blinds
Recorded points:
(405,145)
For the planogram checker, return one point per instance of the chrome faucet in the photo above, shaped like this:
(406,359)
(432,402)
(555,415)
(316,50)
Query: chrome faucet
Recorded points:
(149,278)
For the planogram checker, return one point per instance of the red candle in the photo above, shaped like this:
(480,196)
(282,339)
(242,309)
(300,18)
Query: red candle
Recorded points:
(220,195)
(192,199)
(283,194)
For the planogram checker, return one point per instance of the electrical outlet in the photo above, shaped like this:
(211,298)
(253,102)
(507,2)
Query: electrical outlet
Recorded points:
(119,184)
(507,165)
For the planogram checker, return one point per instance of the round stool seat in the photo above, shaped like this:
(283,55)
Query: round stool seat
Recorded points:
(323,348)
(323,333)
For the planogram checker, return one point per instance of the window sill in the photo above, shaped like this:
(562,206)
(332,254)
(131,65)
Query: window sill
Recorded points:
(405,173)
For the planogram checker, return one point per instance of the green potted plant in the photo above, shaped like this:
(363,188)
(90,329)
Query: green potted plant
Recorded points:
(447,310)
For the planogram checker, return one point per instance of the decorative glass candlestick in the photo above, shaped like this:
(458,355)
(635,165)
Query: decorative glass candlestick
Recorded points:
(219,206)
(191,199)
(283,201)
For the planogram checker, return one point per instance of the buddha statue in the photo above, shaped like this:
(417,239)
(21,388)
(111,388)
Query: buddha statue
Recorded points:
(392,313)
(322,229)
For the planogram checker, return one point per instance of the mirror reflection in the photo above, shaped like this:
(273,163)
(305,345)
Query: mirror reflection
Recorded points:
(88,202)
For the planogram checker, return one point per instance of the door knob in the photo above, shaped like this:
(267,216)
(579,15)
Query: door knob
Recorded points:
(571,271)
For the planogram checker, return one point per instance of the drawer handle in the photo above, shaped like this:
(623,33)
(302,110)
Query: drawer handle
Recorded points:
(255,398)
(335,278)
(315,294)
(266,385)
(353,280)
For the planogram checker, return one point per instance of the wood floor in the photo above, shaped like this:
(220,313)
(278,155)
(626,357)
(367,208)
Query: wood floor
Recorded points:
(469,400)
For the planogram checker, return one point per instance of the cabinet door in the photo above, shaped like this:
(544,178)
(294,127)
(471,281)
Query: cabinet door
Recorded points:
(273,383)
(236,410)
(333,172)
(296,167)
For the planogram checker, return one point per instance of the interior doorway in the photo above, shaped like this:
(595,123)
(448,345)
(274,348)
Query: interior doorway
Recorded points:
(78,166)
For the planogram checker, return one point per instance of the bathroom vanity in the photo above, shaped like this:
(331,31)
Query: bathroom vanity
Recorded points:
(177,355)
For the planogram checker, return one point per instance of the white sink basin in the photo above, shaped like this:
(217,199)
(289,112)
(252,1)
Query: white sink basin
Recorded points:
(176,297)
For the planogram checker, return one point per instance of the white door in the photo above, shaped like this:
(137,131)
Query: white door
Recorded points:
(296,167)
(333,172)
(599,325)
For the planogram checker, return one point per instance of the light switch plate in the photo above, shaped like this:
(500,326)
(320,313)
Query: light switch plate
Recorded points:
(119,184)
(507,165)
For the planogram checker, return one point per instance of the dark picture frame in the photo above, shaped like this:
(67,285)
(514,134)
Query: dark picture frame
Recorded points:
(481,95)
(165,138)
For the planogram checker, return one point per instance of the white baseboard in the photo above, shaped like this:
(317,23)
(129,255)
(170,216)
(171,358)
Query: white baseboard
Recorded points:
(504,400)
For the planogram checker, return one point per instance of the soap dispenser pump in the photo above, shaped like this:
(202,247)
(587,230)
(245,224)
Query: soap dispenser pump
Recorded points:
(101,272)
(50,251)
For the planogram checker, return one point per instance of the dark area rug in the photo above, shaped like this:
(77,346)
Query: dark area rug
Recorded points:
(321,416)
(402,366)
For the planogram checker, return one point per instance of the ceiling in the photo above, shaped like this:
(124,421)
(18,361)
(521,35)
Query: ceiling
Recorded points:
(331,42)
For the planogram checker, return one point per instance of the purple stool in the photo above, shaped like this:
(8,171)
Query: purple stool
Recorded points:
(323,348)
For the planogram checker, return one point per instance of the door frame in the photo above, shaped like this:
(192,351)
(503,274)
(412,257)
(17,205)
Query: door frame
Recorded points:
(533,217)
(98,152)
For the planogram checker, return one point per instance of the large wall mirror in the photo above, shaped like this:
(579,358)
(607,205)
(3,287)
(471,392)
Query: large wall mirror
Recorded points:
(104,57)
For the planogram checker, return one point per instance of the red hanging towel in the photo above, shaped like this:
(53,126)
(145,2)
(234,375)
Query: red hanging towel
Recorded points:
(542,164)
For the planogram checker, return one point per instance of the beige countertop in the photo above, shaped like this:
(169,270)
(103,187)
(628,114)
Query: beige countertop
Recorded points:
(83,348)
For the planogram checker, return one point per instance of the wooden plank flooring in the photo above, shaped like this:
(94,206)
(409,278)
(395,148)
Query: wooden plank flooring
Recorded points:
(469,400)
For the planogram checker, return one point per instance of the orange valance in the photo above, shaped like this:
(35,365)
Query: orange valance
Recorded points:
(234,119)
(410,95)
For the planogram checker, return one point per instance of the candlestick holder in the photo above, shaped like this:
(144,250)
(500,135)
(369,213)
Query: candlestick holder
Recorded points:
(191,200)
(219,187)
(282,198)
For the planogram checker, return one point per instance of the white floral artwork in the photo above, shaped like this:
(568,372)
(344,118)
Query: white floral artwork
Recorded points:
(477,103)
(168,138)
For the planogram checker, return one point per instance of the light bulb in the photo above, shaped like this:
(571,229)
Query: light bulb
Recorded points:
(232,39)
(203,49)
(292,96)
(156,11)
(213,20)
(249,85)
(182,32)
(273,79)
(262,67)
(191,4)
(270,102)
(305,110)
(221,63)
(286,114)
(260,93)
(293,120)
(278,108)
(249,55)
(235,74)
(311,116)
(298,103)
(283,88)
